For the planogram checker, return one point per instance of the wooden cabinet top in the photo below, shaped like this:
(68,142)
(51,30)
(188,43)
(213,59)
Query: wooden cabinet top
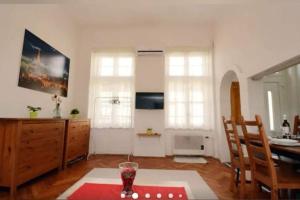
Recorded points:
(32,119)
(41,119)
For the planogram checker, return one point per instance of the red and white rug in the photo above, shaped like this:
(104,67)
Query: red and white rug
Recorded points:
(146,181)
(93,191)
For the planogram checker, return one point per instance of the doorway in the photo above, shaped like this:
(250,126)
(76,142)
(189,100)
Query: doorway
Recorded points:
(235,101)
(229,105)
(230,95)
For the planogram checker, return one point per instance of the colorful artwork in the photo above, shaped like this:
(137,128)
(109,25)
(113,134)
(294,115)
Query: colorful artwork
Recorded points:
(43,68)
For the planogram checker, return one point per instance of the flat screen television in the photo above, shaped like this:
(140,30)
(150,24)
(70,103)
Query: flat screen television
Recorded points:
(149,100)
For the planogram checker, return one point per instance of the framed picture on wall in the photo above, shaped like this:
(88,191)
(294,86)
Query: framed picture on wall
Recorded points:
(43,68)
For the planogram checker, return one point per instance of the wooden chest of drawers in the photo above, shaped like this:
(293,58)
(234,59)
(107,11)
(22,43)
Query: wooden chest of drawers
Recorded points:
(29,148)
(76,140)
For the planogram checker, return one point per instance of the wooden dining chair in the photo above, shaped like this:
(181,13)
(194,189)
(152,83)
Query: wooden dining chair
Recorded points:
(239,163)
(263,169)
(296,125)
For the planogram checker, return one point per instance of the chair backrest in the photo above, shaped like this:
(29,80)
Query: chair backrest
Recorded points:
(233,140)
(261,162)
(296,125)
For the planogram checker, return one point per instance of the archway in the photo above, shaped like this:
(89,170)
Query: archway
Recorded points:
(225,90)
(225,105)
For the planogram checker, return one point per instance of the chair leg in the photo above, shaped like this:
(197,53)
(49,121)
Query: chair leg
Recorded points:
(232,180)
(293,194)
(237,177)
(274,194)
(255,189)
(243,184)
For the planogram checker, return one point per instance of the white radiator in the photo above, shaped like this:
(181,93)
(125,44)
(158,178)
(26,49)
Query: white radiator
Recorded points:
(188,145)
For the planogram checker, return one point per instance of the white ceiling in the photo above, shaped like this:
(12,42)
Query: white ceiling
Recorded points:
(149,12)
(141,12)
(158,12)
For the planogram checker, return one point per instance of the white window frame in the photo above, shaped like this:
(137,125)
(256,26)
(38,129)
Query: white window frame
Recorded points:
(203,80)
(98,79)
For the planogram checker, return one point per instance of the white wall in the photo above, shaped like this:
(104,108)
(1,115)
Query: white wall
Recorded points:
(50,24)
(149,77)
(251,39)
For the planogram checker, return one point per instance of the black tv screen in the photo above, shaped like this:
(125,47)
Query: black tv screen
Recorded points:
(149,100)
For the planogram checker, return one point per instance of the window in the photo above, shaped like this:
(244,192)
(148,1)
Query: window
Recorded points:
(270,108)
(112,90)
(189,101)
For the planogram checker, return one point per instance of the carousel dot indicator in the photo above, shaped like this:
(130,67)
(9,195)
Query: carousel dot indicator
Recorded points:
(170,195)
(135,195)
(123,196)
(158,195)
(147,196)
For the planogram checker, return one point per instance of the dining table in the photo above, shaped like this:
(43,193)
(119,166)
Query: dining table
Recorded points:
(292,152)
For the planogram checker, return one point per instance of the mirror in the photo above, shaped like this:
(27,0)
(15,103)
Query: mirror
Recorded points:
(275,95)
(282,97)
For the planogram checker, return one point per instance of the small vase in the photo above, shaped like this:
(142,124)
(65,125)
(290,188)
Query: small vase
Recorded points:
(74,116)
(33,114)
(128,172)
(57,112)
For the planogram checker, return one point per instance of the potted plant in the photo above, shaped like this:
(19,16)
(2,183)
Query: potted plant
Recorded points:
(149,131)
(33,111)
(74,113)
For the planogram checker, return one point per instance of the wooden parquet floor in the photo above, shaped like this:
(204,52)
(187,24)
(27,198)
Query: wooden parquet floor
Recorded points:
(51,185)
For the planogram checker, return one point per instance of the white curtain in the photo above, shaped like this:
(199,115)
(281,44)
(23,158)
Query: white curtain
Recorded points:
(189,101)
(112,90)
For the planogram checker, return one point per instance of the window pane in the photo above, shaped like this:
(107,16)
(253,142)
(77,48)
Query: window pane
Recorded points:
(125,66)
(176,66)
(107,64)
(271,113)
(172,109)
(105,95)
(196,114)
(195,60)
(196,109)
(196,95)
(178,96)
(196,122)
(176,89)
(177,110)
(180,109)
(195,66)
(105,109)
(124,95)
(177,60)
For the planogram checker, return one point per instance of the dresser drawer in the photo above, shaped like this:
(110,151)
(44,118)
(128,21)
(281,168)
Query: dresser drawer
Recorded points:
(78,136)
(40,149)
(77,141)
(35,167)
(40,131)
(79,126)
(77,149)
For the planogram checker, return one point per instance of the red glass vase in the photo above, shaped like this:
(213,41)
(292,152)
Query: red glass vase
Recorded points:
(128,172)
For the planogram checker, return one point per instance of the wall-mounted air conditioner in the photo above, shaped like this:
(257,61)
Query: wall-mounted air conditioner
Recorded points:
(150,52)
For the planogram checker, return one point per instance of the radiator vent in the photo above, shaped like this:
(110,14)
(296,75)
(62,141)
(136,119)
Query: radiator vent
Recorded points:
(188,145)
